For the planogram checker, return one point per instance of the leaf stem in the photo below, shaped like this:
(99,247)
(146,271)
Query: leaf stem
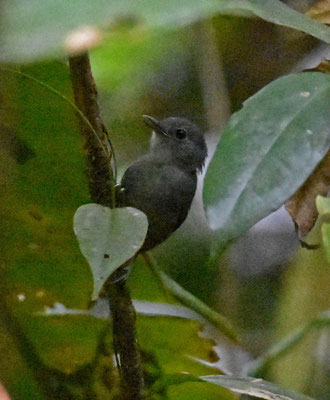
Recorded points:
(186,298)
(257,367)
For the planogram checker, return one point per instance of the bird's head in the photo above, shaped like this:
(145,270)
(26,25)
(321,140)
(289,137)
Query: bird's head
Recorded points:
(179,141)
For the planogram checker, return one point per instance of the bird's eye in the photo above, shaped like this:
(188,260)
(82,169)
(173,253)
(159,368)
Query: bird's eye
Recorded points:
(180,134)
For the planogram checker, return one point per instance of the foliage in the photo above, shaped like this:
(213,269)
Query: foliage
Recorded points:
(41,29)
(108,238)
(267,151)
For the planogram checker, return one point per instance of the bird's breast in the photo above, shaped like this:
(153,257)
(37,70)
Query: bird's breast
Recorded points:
(164,193)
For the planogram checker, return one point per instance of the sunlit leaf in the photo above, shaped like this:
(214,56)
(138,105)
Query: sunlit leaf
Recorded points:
(323,207)
(167,334)
(184,385)
(176,344)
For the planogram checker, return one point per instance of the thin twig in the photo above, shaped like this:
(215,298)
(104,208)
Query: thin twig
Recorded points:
(257,367)
(189,300)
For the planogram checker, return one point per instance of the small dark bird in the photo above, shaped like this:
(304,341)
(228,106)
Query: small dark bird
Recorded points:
(163,183)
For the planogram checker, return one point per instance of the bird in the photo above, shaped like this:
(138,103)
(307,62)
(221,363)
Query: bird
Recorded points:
(163,182)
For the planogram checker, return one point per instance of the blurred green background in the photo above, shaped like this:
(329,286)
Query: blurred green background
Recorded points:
(265,282)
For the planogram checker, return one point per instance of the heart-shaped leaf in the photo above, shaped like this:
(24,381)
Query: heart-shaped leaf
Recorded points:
(108,237)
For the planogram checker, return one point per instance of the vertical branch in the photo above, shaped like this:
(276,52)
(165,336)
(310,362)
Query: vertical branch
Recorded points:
(101,186)
(101,179)
(124,332)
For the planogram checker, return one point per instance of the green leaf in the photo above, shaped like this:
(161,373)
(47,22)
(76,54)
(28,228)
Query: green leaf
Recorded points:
(267,151)
(167,332)
(14,371)
(65,342)
(198,390)
(176,345)
(44,181)
(254,387)
(108,237)
(40,28)
(325,230)
(323,207)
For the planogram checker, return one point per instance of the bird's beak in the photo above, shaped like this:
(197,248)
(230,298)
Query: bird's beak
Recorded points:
(154,124)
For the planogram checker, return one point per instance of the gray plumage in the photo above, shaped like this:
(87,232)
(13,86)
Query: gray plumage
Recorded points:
(163,183)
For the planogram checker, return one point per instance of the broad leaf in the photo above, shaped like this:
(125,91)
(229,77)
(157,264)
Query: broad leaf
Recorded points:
(170,340)
(267,151)
(66,342)
(42,28)
(108,237)
(43,182)
(176,345)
